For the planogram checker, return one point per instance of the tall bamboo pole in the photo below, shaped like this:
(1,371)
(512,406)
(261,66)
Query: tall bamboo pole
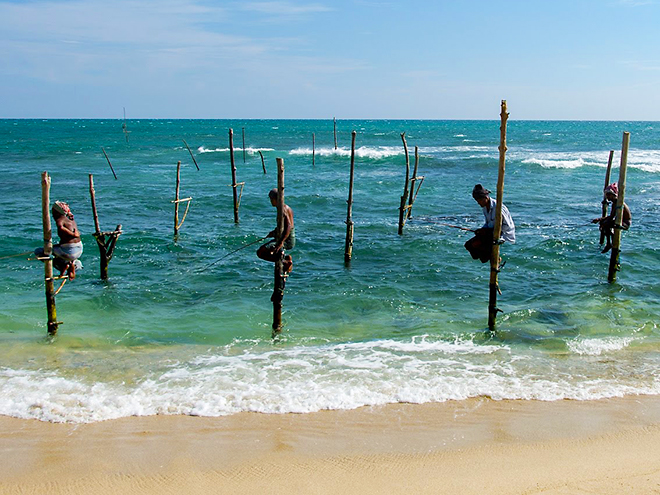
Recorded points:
(97,233)
(605,202)
(92,194)
(263,163)
(176,199)
(48,251)
(278,292)
(233,174)
(497,228)
(412,184)
(348,250)
(402,207)
(106,249)
(313,148)
(334,121)
(616,237)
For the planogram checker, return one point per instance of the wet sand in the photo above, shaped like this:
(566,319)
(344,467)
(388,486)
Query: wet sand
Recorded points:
(479,446)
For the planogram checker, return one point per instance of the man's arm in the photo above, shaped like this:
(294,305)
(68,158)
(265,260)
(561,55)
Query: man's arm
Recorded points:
(63,228)
(288,225)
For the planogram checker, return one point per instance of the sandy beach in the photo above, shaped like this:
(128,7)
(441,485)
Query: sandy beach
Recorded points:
(471,447)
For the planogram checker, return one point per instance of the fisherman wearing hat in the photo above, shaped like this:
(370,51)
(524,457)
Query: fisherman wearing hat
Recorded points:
(607,223)
(271,250)
(481,245)
(70,247)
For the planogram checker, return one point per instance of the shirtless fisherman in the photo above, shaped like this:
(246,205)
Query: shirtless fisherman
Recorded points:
(607,222)
(271,250)
(481,245)
(70,247)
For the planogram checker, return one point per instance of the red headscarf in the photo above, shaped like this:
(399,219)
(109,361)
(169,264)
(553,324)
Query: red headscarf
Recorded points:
(612,188)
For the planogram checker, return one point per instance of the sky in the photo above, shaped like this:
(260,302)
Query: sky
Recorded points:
(318,59)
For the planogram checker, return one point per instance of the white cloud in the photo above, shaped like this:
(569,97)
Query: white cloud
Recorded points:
(284,9)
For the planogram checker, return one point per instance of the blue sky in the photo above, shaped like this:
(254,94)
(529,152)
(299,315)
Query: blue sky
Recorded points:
(550,59)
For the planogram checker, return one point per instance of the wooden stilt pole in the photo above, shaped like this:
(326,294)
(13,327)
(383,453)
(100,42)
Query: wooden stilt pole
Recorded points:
(334,121)
(48,251)
(92,194)
(348,250)
(176,199)
(313,149)
(233,174)
(605,202)
(497,230)
(108,159)
(106,246)
(413,179)
(243,132)
(191,154)
(616,237)
(263,163)
(280,278)
(404,197)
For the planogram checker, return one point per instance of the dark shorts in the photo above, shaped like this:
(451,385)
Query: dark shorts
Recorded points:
(481,245)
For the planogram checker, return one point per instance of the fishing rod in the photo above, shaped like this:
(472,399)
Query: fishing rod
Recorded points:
(16,255)
(455,226)
(430,220)
(234,251)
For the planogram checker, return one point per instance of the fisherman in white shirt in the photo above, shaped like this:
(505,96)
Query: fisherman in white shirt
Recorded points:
(481,245)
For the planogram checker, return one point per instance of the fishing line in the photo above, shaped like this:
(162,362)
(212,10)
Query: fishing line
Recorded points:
(229,254)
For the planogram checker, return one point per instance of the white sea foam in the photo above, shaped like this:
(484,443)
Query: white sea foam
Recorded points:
(312,378)
(371,152)
(252,151)
(646,160)
(598,346)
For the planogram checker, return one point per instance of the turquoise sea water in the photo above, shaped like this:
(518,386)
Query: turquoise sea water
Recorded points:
(406,322)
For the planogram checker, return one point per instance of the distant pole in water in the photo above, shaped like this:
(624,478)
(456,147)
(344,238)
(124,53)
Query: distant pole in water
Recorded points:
(348,250)
(243,131)
(124,127)
(177,224)
(497,228)
(313,148)
(233,174)
(411,199)
(108,159)
(106,241)
(263,163)
(191,154)
(176,199)
(280,277)
(334,120)
(616,237)
(605,202)
(404,196)
(48,251)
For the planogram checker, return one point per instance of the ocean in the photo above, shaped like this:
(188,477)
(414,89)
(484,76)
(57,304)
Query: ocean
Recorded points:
(184,327)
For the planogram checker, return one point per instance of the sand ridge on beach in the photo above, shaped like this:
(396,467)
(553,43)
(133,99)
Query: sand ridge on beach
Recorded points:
(471,447)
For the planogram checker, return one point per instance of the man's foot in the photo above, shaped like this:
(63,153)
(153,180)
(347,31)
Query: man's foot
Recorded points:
(71,271)
(288,264)
(607,247)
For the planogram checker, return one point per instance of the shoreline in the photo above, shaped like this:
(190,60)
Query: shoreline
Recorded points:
(476,446)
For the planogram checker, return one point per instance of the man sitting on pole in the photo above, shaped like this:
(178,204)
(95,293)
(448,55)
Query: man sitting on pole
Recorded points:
(481,245)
